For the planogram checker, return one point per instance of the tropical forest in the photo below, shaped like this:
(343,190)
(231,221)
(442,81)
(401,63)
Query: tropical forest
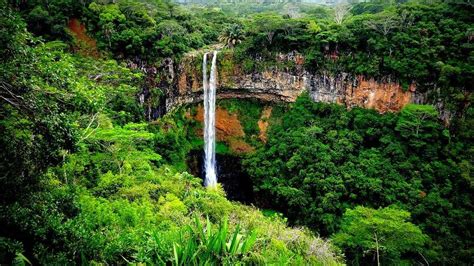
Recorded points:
(236,132)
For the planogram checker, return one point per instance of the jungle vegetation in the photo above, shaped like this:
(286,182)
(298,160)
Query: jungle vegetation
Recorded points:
(86,178)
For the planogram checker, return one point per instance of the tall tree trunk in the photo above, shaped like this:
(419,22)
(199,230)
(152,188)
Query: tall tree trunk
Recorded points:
(377,249)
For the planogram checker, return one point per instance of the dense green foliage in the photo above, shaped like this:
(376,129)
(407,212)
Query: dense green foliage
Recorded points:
(383,233)
(422,43)
(86,180)
(148,30)
(322,159)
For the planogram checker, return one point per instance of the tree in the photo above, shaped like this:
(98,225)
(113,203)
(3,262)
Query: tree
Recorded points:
(12,34)
(384,24)
(384,232)
(172,38)
(110,17)
(232,35)
(268,24)
(340,13)
(418,123)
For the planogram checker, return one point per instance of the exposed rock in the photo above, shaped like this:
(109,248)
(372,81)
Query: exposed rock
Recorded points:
(228,129)
(286,85)
(83,43)
(227,124)
(263,123)
(383,97)
(158,85)
(170,84)
(239,146)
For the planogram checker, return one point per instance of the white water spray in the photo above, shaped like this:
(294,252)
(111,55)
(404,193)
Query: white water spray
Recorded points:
(209,88)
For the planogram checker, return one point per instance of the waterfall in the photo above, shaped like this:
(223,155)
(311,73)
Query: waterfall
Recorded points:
(209,88)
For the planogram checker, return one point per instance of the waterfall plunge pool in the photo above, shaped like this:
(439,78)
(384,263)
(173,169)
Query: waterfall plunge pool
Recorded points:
(235,181)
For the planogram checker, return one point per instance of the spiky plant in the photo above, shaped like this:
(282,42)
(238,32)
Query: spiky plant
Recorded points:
(205,246)
(232,35)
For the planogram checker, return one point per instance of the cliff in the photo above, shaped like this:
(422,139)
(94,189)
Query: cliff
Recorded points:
(181,83)
(287,83)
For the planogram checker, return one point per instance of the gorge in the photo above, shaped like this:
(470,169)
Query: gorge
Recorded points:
(275,83)
(151,132)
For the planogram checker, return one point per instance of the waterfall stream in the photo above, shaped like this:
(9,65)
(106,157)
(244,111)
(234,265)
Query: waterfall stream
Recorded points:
(209,88)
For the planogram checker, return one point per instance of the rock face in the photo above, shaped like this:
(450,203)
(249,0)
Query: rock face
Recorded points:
(263,123)
(228,129)
(83,43)
(383,96)
(287,83)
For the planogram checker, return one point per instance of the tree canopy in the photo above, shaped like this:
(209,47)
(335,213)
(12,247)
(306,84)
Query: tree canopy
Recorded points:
(88,178)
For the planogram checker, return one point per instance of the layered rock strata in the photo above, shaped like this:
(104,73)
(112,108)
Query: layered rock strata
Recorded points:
(275,84)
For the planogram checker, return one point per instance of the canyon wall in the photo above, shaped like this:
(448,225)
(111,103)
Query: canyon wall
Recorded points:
(286,84)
